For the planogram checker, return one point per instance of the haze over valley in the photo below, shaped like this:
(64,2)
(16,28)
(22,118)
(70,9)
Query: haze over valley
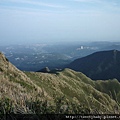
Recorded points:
(37,56)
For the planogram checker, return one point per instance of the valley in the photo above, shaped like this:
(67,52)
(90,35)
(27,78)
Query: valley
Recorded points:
(34,57)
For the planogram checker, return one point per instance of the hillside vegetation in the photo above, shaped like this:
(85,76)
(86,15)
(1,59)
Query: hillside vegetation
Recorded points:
(60,92)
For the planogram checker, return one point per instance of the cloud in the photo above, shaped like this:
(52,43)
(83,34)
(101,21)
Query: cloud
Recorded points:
(26,10)
(100,5)
(31,7)
(94,7)
(36,3)
(88,1)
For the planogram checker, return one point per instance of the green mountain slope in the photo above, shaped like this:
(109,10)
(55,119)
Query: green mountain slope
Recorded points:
(79,89)
(62,92)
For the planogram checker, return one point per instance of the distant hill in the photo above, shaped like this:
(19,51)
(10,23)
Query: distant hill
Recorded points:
(44,70)
(100,65)
(65,91)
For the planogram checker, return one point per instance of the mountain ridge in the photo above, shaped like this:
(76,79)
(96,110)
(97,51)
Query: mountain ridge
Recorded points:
(99,65)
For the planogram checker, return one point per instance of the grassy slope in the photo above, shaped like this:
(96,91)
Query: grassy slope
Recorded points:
(16,86)
(78,88)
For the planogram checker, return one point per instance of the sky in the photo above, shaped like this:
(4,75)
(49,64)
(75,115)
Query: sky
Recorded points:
(39,21)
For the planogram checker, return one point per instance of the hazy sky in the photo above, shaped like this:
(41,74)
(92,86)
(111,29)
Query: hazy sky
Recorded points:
(59,20)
